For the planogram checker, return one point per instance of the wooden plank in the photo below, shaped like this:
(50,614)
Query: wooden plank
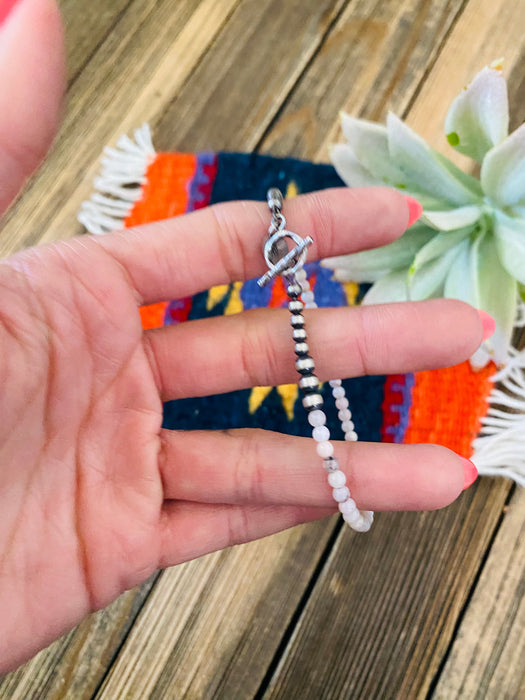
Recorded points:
(204,615)
(85,30)
(140,67)
(73,666)
(486,658)
(375,59)
(250,72)
(382,597)
(392,624)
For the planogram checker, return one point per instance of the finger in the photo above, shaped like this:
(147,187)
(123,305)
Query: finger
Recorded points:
(181,256)
(255,348)
(260,467)
(189,530)
(32,76)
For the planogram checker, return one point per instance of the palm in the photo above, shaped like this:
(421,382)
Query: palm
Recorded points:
(81,509)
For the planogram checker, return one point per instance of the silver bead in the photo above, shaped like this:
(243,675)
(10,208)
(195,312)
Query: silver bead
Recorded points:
(301,348)
(297,320)
(312,401)
(293,290)
(309,382)
(299,334)
(295,306)
(304,364)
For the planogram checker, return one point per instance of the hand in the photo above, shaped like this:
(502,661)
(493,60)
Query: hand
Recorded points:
(94,494)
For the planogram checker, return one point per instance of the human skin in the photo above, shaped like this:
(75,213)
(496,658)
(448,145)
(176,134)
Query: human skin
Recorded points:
(94,494)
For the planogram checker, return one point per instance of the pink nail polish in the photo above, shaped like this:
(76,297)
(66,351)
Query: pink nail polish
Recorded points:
(471,472)
(414,209)
(489,324)
(5,8)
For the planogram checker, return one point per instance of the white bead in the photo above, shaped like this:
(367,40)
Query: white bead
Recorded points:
(316,417)
(325,449)
(348,506)
(351,436)
(311,305)
(336,479)
(345,414)
(352,517)
(334,382)
(347,426)
(300,275)
(341,403)
(368,515)
(341,494)
(305,286)
(321,433)
(361,525)
(338,392)
(308,297)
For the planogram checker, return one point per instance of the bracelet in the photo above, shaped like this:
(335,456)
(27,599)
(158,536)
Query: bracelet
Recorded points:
(289,263)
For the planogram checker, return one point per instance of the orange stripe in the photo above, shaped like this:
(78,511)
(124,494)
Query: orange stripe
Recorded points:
(165,194)
(447,406)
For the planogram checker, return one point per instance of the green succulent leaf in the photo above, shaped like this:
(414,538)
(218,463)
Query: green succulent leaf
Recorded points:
(503,170)
(497,293)
(428,280)
(510,244)
(459,283)
(370,145)
(431,171)
(437,246)
(370,265)
(349,168)
(392,287)
(478,118)
(368,161)
(453,218)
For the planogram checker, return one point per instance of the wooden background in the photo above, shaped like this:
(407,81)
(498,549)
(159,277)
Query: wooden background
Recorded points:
(427,605)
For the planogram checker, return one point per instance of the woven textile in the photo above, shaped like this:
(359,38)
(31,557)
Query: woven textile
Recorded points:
(440,406)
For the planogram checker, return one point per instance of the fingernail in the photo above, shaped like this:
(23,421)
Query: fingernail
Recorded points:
(489,324)
(414,209)
(471,473)
(5,8)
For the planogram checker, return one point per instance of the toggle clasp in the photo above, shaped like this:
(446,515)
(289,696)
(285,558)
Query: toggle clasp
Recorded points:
(280,262)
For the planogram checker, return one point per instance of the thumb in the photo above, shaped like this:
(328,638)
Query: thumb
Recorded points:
(32,80)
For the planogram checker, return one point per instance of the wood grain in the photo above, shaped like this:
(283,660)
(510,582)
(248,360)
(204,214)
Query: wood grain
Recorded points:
(486,658)
(84,31)
(373,626)
(376,58)
(209,626)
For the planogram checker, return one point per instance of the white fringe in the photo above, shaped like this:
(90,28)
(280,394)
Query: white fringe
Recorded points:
(120,183)
(500,448)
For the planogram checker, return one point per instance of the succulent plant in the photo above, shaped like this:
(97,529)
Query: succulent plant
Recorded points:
(470,242)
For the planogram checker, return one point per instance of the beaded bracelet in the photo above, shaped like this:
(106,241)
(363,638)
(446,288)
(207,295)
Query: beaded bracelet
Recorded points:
(289,264)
